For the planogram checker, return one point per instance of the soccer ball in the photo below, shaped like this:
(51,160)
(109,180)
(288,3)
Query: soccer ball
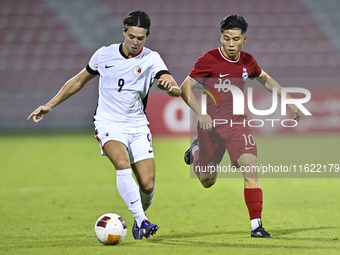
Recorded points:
(110,229)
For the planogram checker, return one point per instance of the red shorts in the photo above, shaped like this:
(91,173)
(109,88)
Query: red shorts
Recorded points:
(237,140)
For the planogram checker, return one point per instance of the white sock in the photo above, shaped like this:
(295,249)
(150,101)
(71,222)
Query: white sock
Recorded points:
(146,199)
(194,149)
(255,223)
(128,190)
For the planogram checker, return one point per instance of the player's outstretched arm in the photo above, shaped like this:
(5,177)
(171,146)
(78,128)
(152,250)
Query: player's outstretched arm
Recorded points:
(190,99)
(71,87)
(167,82)
(269,83)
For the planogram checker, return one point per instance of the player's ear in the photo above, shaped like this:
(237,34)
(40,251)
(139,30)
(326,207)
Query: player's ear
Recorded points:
(125,29)
(245,39)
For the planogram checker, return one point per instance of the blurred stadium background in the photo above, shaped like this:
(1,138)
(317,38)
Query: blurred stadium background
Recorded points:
(54,187)
(44,43)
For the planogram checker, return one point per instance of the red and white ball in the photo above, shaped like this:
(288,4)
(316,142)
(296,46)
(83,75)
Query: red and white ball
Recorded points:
(110,229)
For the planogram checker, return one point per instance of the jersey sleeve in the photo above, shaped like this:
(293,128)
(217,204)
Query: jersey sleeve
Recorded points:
(256,70)
(201,69)
(92,66)
(158,67)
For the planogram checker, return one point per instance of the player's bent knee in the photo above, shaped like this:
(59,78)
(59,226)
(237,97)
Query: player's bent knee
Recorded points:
(248,163)
(121,164)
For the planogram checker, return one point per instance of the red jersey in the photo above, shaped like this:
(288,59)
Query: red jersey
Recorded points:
(213,70)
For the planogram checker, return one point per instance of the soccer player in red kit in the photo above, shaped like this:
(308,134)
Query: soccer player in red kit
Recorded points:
(228,65)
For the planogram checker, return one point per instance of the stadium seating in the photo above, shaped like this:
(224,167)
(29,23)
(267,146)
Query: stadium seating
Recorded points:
(282,35)
(38,51)
(37,56)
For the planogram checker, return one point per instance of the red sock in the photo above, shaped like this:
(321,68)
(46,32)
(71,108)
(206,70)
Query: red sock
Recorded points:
(253,199)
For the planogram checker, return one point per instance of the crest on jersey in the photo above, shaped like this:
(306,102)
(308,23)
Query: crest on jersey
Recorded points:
(245,74)
(137,70)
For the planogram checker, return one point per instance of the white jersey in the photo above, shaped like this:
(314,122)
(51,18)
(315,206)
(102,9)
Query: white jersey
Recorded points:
(124,85)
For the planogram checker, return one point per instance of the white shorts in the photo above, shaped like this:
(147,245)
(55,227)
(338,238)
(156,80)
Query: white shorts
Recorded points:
(139,145)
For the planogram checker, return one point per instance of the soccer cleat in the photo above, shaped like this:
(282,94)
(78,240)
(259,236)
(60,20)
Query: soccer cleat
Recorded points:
(188,157)
(148,229)
(136,231)
(260,232)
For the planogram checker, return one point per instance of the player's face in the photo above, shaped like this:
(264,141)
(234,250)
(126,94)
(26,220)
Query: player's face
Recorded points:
(134,40)
(232,43)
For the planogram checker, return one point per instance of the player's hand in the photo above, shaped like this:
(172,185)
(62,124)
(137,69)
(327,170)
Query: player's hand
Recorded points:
(39,113)
(163,84)
(205,122)
(296,110)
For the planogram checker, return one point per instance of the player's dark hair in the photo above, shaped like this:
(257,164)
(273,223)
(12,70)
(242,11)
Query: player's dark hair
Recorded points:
(234,21)
(137,19)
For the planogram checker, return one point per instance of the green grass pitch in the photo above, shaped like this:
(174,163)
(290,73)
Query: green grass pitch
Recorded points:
(53,187)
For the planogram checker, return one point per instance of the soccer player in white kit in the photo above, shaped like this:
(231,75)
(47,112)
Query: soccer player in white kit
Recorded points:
(127,71)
